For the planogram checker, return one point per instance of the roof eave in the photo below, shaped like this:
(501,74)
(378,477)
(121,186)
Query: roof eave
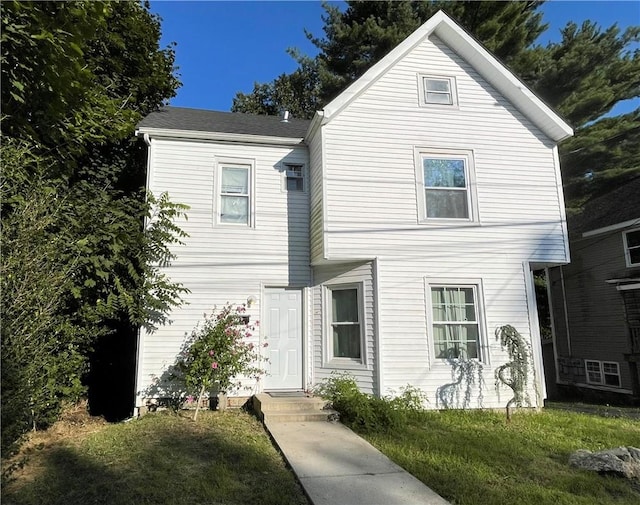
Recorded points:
(219,136)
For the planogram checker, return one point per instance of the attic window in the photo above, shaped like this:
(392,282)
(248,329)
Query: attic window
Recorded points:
(438,90)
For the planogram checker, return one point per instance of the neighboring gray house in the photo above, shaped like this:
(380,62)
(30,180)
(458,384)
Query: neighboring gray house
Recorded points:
(397,229)
(595,301)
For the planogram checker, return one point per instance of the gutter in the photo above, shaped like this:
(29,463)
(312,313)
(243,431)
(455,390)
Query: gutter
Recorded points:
(219,136)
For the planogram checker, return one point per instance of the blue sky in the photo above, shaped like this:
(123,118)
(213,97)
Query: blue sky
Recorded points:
(224,47)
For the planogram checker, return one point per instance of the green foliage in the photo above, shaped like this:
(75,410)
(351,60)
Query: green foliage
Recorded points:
(160,459)
(366,412)
(78,258)
(297,93)
(79,73)
(517,372)
(41,351)
(218,353)
(474,458)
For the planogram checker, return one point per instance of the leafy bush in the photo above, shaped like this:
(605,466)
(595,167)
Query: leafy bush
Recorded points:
(217,353)
(366,412)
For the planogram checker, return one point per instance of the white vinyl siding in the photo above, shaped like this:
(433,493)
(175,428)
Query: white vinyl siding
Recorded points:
(225,263)
(359,275)
(516,184)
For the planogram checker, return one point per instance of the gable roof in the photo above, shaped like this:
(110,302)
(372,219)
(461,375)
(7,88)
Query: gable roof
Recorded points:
(487,65)
(616,209)
(204,124)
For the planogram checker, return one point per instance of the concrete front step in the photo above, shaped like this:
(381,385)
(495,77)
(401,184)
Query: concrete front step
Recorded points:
(292,409)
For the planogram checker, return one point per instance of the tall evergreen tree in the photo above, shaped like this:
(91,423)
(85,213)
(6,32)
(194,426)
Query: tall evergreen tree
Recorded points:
(583,76)
(355,39)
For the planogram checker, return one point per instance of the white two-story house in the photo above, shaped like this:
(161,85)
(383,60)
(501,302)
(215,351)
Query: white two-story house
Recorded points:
(389,235)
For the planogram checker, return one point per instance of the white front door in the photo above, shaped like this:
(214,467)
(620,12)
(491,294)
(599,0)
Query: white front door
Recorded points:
(282,329)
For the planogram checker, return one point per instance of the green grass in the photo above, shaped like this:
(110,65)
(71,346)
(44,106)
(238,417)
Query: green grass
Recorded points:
(475,457)
(163,458)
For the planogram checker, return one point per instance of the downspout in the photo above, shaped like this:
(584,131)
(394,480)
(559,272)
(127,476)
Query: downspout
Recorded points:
(566,310)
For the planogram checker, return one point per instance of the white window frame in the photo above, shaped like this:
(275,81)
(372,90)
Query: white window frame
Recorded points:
(627,249)
(249,165)
(478,293)
(453,91)
(471,189)
(601,372)
(331,361)
(285,169)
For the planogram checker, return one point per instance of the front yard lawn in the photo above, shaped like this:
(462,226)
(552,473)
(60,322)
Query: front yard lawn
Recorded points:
(163,458)
(476,458)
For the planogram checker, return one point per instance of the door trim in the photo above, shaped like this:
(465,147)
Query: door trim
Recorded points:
(303,290)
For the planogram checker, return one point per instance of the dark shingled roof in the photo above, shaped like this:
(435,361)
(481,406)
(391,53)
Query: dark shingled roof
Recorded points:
(180,118)
(617,206)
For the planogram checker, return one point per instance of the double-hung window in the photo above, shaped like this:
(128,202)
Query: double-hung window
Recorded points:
(606,373)
(438,90)
(235,194)
(632,248)
(455,321)
(446,186)
(345,323)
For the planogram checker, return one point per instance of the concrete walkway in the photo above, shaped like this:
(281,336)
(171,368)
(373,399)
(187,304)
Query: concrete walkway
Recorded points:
(337,467)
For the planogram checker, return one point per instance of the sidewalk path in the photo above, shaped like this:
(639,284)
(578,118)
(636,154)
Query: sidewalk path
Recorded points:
(337,467)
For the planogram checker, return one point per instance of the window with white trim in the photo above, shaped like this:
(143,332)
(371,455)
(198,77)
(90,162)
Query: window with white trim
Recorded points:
(235,194)
(605,373)
(446,188)
(632,247)
(438,90)
(294,176)
(345,323)
(455,321)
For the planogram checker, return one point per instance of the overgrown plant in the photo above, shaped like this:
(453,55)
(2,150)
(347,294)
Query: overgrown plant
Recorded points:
(465,373)
(366,412)
(518,371)
(218,354)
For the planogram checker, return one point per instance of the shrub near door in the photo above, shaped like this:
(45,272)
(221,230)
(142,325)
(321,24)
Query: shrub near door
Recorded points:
(218,353)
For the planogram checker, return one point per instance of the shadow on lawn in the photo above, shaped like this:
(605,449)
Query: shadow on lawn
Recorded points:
(179,462)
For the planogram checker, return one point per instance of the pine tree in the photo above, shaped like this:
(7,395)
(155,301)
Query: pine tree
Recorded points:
(583,76)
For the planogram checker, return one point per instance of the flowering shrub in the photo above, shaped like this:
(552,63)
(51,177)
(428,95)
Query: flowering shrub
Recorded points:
(218,352)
